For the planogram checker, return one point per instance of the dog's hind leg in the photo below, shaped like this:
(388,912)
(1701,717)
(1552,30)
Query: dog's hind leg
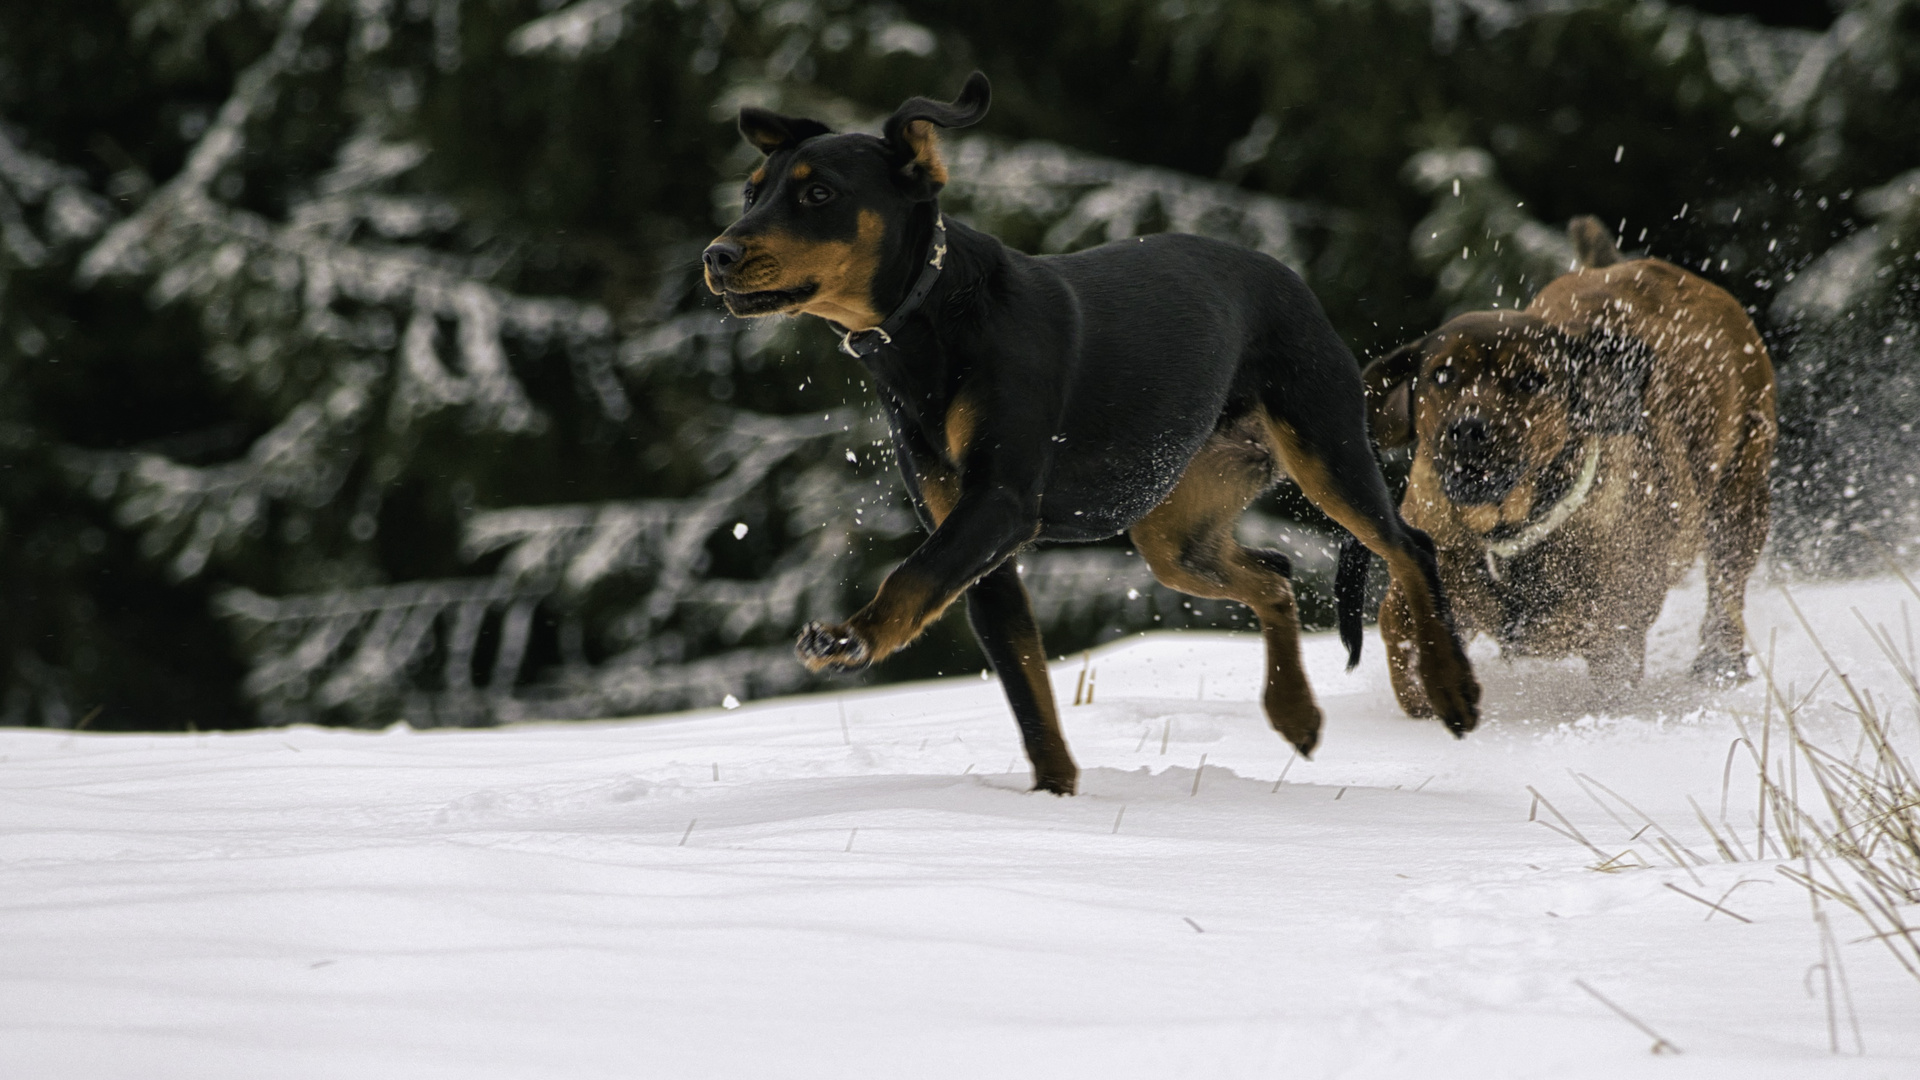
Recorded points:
(1189,544)
(1002,618)
(1737,517)
(1323,444)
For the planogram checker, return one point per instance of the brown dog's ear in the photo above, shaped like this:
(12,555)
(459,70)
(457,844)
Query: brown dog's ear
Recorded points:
(1389,385)
(770,133)
(1610,372)
(1593,242)
(910,136)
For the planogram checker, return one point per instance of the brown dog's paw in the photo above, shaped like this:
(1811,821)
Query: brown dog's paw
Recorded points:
(1297,722)
(1719,670)
(1412,698)
(836,648)
(1460,712)
(1456,699)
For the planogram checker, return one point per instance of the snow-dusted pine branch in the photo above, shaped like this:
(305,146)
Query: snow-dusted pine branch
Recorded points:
(365,652)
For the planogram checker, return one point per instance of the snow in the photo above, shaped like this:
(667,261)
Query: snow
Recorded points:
(774,890)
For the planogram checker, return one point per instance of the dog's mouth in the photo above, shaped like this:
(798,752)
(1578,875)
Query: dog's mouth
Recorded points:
(1472,483)
(768,301)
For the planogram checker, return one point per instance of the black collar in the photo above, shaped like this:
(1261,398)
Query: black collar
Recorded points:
(863,343)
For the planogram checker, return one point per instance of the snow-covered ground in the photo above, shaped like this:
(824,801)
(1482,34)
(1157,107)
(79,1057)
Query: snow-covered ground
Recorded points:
(859,885)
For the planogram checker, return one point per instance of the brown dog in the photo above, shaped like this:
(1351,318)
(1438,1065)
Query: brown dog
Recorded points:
(1573,459)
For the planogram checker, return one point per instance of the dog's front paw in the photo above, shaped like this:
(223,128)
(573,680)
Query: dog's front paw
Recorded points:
(836,648)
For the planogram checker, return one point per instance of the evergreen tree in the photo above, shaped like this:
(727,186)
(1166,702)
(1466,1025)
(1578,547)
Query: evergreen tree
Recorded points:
(356,366)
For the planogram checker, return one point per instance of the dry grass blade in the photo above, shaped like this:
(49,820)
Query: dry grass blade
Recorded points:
(1661,1045)
(1566,828)
(1820,647)
(1872,820)
(1838,896)
(1726,850)
(1674,847)
(1709,903)
(1832,971)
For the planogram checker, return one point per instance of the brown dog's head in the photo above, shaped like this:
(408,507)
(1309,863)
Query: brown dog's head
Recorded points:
(1494,401)
(827,216)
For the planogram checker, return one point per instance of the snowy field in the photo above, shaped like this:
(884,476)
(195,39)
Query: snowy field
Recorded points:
(860,886)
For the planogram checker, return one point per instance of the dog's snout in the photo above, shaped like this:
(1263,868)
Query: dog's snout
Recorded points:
(722,255)
(1479,469)
(1471,435)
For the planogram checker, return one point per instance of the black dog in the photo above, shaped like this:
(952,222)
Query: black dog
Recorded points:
(1155,385)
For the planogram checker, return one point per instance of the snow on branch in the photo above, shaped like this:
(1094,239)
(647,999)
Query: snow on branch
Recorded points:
(1074,584)
(1863,267)
(1486,250)
(638,682)
(418,650)
(362,650)
(346,199)
(423,329)
(574,30)
(122,249)
(1742,55)
(1084,199)
(205,250)
(805,584)
(755,444)
(577,545)
(801,28)
(358,650)
(69,212)
(194,513)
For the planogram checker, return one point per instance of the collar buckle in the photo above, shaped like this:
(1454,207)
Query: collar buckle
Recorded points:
(848,346)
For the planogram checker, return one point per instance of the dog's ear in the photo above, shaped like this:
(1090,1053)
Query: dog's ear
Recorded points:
(770,133)
(1610,372)
(914,144)
(1389,385)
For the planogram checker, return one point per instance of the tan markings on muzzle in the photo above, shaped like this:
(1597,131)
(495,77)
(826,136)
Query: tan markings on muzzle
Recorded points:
(841,271)
(1518,503)
(1480,517)
(845,274)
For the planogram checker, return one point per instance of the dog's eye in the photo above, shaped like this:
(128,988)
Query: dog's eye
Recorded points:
(816,194)
(1529,382)
(1443,376)
(747,197)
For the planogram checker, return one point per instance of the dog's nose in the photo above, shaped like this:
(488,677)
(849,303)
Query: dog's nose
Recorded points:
(721,255)
(1470,436)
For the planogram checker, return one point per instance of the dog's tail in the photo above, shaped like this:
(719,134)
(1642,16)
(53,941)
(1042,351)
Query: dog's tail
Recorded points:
(1350,593)
(1593,242)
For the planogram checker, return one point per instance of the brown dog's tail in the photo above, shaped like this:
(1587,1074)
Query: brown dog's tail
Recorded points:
(1349,594)
(1593,242)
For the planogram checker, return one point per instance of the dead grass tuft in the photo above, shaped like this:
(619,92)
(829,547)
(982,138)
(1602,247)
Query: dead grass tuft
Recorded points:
(1843,820)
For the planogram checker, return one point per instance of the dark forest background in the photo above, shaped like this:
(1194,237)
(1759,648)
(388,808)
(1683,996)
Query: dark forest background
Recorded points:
(353,369)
